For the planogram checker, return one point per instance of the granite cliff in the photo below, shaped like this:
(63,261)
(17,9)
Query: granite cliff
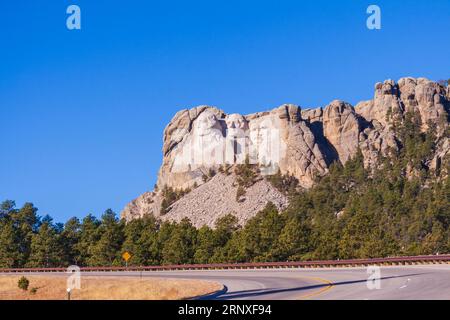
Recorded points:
(206,150)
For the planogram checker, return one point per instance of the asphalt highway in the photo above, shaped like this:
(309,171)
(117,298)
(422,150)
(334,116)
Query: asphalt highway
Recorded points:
(426,282)
(430,282)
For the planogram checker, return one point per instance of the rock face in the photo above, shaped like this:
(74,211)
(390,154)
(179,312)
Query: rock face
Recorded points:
(420,95)
(205,138)
(146,203)
(342,127)
(287,139)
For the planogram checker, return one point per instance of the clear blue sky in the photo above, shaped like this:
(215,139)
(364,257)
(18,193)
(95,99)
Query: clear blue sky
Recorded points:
(82,112)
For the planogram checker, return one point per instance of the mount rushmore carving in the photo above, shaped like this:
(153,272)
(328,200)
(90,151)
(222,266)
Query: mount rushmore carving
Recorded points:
(287,139)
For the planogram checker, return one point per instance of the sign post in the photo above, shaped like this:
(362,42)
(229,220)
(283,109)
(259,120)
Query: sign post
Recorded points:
(126,256)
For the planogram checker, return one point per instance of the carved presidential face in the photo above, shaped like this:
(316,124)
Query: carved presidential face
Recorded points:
(260,137)
(207,123)
(260,129)
(236,125)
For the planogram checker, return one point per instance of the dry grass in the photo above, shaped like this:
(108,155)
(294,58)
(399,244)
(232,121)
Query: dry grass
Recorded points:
(105,288)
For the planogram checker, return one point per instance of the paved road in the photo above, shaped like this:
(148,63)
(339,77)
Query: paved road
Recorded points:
(408,282)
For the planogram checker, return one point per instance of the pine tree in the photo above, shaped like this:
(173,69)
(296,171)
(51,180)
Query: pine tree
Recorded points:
(70,237)
(89,236)
(226,227)
(27,223)
(106,251)
(179,249)
(206,245)
(7,208)
(293,242)
(147,245)
(9,244)
(45,247)
(133,233)
(261,232)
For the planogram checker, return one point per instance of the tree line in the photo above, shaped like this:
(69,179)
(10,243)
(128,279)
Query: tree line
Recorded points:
(402,208)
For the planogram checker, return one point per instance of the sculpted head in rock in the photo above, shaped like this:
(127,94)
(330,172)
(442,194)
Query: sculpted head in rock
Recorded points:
(207,143)
(207,124)
(260,129)
(237,125)
(264,141)
(200,147)
(237,133)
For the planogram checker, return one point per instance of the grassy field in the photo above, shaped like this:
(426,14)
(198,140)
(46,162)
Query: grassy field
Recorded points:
(105,288)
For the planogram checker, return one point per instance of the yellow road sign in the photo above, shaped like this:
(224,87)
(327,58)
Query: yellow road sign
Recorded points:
(126,256)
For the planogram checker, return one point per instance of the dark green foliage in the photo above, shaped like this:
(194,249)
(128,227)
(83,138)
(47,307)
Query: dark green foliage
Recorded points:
(294,240)
(205,246)
(180,247)
(10,242)
(286,184)
(211,243)
(246,174)
(211,173)
(88,236)
(26,223)
(260,234)
(106,251)
(46,249)
(354,215)
(140,241)
(170,196)
(225,169)
(10,255)
(69,239)
(23,283)
(133,232)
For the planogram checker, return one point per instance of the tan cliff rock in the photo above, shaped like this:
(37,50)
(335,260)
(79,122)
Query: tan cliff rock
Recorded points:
(302,143)
(202,138)
(342,128)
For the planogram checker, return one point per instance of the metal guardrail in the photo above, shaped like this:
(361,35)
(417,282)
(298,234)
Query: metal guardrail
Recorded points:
(436,259)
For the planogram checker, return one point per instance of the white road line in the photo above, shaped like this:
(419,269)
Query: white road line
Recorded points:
(406,284)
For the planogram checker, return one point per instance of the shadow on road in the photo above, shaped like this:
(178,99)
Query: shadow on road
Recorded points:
(269,291)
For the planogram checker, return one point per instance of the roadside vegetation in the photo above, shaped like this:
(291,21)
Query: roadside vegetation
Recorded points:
(101,288)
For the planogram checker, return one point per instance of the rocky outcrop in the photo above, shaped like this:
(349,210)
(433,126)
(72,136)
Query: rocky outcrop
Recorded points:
(146,203)
(303,143)
(300,153)
(427,98)
(337,127)
(392,100)
(377,140)
(342,128)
